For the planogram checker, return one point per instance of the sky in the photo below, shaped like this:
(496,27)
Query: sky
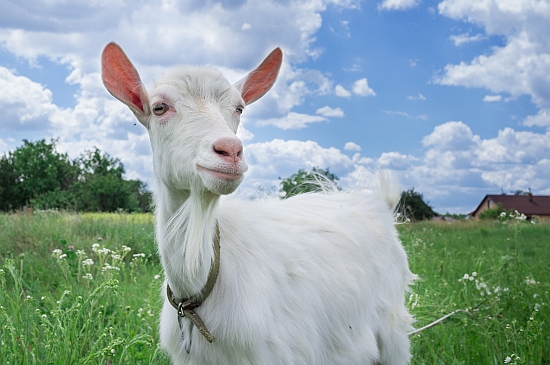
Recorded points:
(452,97)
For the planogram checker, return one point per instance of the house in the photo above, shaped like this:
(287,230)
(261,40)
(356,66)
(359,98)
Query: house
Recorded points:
(529,204)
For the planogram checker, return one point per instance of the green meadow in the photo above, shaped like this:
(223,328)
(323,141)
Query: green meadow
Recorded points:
(84,289)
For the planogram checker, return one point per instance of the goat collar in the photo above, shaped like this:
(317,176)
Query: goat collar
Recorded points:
(185,306)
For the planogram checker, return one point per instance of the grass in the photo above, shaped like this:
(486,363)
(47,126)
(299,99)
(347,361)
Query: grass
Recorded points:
(497,273)
(84,289)
(79,289)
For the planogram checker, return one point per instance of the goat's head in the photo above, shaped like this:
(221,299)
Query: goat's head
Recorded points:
(192,115)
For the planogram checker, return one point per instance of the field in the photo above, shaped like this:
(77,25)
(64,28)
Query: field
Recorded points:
(84,289)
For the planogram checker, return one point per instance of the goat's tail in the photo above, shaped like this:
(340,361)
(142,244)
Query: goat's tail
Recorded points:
(387,188)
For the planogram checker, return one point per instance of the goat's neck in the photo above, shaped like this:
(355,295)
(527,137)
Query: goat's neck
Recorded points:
(185,229)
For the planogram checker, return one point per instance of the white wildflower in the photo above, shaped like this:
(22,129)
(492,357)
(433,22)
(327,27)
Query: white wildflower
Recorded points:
(507,360)
(109,267)
(104,251)
(88,276)
(95,246)
(126,248)
(80,253)
(58,254)
(157,277)
(88,262)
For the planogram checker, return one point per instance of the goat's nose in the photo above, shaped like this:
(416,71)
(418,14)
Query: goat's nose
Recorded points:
(229,149)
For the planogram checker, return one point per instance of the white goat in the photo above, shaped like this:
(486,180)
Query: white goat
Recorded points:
(314,279)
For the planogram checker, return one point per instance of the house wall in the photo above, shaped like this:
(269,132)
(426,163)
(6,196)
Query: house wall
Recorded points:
(543,218)
(484,206)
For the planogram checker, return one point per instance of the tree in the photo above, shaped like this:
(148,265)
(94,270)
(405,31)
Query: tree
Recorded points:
(37,174)
(413,205)
(31,170)
(306,181)
(102,187)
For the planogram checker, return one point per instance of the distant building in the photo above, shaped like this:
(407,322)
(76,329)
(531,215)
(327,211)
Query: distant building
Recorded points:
(529,204)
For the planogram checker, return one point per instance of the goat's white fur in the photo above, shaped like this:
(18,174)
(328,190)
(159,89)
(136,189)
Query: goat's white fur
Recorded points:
(315,279)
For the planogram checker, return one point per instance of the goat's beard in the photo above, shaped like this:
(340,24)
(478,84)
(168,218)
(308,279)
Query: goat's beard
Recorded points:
(220,186)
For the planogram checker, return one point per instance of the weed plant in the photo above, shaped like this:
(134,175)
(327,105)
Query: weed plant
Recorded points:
(84,289)
(495,275)
(79,289)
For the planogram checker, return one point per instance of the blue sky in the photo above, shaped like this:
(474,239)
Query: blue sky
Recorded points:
(452,96)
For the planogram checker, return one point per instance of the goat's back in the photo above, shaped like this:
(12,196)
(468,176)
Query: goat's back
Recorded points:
(314,279)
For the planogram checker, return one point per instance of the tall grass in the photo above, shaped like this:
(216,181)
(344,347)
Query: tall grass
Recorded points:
(79,289)
(84,289)
(497,274)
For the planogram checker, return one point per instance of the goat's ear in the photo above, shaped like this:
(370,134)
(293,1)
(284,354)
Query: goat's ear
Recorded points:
(254,85)
(123,82)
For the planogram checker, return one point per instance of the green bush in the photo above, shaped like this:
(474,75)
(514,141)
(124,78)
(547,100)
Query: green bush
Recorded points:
(36,174)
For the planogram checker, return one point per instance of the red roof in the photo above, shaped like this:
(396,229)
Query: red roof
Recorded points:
(526,204)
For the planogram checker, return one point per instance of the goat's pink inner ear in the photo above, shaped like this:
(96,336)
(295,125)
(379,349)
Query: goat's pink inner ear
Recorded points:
(261,79)
(121,78)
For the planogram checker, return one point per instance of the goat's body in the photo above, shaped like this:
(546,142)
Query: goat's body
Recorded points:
(315,279)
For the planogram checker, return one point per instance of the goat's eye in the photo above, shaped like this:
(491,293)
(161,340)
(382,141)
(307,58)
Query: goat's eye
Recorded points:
(160,109)
(239,109)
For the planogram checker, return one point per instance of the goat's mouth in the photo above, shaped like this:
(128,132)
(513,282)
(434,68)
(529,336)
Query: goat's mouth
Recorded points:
(221,173)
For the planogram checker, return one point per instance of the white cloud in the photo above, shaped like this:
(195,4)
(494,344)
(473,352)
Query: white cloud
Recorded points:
(450,136)
(417,97)
(24,103)
(361,88)
(541,119)
(522,65)
(456,165)
(329,112)
(244,134)
(292,121)
(492,98)
(3,147)
(74,34)
(283,158)
(351,146)
(407,115)
(454,153)
(398,4)
(466,38)
(403,114)
(342,92)
(395,161)
(152,33)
